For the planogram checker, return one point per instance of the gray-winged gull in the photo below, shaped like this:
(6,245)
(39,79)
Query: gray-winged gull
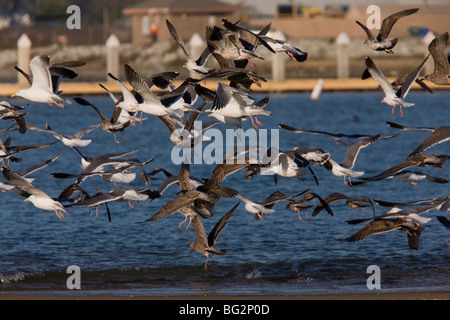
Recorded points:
(437,49)
(380,42)
(392,97)
(207,245)
(38,197)
(42,88)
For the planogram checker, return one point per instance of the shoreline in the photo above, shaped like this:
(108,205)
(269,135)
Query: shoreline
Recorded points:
(344,296)
(289,85)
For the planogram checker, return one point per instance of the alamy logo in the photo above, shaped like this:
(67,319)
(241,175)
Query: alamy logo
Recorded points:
(208,147)
(373,281)
(74,21)
(73,281)
(374,20)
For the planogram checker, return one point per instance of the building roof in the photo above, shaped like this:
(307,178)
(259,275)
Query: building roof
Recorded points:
(180,6)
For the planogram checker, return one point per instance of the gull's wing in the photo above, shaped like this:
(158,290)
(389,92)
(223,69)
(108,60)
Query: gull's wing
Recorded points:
(63,68)
(140,85)
(366,30)
(324,203)
(223,96)
(184,176)
(402,127)
(176,204)
(26,75)
(247,37)
(296,130)
(40,72)
(168,123)
(394,170)
(391,204)
(162,80)
(201,61)
(438,48)
(223,222)
(279,196)
(31,146)
(423,85)
(84,131)
(375,227)
(180,41)
(38,166)
(84,102)
(353,150)
(193,117)
(445,222)
(34,127)
(62,72)
(379,77)
(389,22)
(126,93)
(439,135)
(100,198)
(111,95)
(410,79)
(200,231)
(20,182)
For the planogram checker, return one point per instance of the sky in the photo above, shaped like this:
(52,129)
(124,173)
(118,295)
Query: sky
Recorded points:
(268,6)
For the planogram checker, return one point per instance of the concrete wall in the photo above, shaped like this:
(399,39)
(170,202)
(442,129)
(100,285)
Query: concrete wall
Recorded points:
(50,35)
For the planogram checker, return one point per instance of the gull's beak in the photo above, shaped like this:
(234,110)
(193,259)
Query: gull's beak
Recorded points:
(26,199)
(208,110)
(132,109)
(210,115)
(13,95)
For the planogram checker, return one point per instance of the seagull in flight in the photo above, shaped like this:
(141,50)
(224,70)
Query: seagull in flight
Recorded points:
(381,42)
(392,97)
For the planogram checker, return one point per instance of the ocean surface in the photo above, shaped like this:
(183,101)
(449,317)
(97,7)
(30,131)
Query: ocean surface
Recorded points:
(280,255)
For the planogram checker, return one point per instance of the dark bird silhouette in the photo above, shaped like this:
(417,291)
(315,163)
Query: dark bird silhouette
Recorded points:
(105,124)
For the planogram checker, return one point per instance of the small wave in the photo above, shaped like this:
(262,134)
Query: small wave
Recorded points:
(254,274)
(9,278)
(301,279)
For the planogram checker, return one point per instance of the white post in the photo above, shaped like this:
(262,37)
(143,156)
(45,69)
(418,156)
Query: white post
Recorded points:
(429,65)
(279,60)
(196,45)
(23,59)
(343,63)
(315,94)
(112,56)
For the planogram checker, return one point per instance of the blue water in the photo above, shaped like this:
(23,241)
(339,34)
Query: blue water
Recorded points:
(280,255)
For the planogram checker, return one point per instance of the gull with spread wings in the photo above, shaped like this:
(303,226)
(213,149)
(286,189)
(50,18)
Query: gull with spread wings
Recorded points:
(380,42)
(392,97)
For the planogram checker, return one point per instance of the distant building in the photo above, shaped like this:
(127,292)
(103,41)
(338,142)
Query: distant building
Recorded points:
(15,19)
(188,16)
(299,22)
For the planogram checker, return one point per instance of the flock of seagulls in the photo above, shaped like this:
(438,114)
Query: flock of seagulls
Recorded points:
(234,48)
